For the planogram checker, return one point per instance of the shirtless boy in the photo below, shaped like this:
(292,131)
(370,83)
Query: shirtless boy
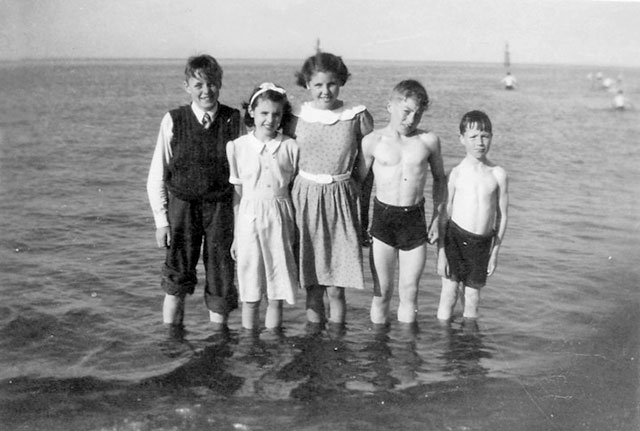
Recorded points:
(400,156)
(474,220)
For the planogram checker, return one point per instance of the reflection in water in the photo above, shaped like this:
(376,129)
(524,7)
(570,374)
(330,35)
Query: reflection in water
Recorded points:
(207,371)
(465,349)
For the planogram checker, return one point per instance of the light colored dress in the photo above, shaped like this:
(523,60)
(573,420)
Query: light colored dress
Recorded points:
(265,227)
(326,197)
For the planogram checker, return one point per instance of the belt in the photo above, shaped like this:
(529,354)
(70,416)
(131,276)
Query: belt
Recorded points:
(324,178)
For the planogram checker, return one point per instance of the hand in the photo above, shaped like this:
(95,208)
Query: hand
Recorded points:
(493,263)
(163,237)
(234,250)
(434,233)
(442,265)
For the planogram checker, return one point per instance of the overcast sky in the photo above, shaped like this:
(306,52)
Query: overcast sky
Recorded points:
(538,31)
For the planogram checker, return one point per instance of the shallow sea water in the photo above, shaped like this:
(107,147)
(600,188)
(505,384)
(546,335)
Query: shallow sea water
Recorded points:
(81,341)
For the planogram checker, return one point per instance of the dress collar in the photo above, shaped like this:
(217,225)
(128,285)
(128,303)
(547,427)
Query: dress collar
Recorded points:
(271,145)
(325,116)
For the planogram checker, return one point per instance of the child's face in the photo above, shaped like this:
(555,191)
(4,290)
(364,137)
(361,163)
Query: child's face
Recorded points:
(476,142)
(406,114)
(267,116)
(204,93)
(324,88)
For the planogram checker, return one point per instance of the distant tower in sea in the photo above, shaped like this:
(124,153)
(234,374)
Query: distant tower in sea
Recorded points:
(318,50)
(507,56)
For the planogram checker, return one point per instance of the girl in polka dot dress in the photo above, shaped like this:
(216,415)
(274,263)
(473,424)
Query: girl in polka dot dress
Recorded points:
(325,196)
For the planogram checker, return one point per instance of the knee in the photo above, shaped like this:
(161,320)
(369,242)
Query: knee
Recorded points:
(408,291)
(335,293)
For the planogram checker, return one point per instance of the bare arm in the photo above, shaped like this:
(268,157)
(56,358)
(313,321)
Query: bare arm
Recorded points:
(438,189)
(237,196)
(502,216)
(237,192)
(447,207)
(364,159)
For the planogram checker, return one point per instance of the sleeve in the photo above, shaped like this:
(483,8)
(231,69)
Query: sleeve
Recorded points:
(366,123)
(234,175)
(156,189)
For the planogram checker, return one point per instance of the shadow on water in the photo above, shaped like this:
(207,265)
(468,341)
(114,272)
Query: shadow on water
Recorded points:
(321,380)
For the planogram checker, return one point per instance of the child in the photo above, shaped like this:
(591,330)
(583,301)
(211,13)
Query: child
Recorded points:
(191,198)
(325,195)
(400,155)
(509,81)
(475,221)
(262,165)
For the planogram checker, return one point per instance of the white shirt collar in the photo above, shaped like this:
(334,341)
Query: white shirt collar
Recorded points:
(271,145)
(199,113)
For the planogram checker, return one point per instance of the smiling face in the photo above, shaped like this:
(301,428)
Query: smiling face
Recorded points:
(267,116)
(406,114)
(477,142)
(204,91)
(324,88)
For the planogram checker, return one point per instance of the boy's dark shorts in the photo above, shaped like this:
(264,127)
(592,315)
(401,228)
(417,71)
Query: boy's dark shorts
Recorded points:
(468,255)
(403,228)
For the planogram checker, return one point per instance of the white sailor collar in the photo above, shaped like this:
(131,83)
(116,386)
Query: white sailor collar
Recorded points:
(325,116)
(271,145)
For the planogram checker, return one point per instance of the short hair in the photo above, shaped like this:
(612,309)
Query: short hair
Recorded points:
(322,62)
(273,96)
(477,120)
(203,64)
(410,88)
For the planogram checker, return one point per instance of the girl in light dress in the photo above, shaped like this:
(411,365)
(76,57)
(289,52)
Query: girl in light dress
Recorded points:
(325,196)
(262,165)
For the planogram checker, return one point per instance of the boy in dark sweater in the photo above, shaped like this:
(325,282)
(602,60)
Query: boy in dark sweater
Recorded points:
(191,197)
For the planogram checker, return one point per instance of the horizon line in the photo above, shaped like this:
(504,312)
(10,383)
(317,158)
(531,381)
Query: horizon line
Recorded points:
(291,59)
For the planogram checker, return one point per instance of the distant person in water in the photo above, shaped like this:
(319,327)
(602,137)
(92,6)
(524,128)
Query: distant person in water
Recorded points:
(620,102)
(401,156)
(191,197)
(474,220)
(509,81)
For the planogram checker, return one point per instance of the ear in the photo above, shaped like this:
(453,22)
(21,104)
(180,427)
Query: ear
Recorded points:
(185,84)
(251,112)
(389,107)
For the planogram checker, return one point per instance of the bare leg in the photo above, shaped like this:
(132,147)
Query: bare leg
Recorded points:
(471,301)
(173,309)
(273,319)
(250,314)
(411,264)
(315,304)
(337,304)
(218,321)
(448,299)
(383,269)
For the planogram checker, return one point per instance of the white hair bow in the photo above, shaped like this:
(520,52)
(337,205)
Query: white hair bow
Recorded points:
(263,88)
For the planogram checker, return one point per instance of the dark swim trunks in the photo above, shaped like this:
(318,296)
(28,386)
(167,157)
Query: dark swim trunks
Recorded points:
(404,228)
(468,255)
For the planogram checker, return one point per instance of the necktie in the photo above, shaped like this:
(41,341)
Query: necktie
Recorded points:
(206,121)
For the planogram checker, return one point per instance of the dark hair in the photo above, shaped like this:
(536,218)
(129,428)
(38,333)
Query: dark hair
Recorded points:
(206,65)
(271,95)
(475,119)
(322,62)
(410,88)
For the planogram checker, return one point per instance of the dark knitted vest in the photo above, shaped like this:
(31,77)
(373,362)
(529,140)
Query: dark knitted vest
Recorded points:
(198,168)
